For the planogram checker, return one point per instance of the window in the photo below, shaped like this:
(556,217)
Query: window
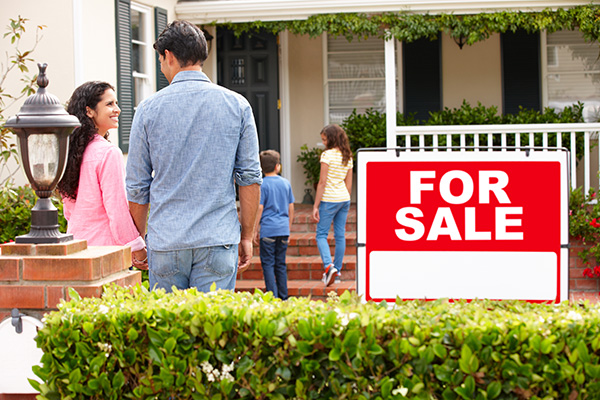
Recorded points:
(135,66)
(572,73)
(355,76)
(141,51)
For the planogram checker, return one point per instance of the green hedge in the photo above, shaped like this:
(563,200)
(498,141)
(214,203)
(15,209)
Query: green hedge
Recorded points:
(16,203)
(369,129)
(135,344)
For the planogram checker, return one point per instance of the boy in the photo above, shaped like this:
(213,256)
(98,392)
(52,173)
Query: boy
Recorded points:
(274,220)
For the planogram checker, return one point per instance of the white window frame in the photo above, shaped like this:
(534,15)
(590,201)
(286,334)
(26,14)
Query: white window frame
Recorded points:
(145,77)
(545,74)
(327,81)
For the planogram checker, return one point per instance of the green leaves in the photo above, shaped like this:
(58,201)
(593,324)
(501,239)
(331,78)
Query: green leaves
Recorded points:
(16,204)
(133,343)
(408,27)
(369,129)
(311,162)
(469,364)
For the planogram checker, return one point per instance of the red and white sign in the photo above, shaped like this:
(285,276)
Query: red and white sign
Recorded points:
(463,225)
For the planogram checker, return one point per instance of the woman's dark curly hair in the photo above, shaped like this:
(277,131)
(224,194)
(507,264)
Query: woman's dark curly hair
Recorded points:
(86,95)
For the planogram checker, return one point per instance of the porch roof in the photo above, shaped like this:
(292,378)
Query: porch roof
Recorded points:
(219,11)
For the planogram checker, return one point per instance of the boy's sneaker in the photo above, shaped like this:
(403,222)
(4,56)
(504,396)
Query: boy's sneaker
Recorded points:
(329,274)
(338,278)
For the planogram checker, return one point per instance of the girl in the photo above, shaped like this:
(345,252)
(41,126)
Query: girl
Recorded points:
(332,200)
(93,186)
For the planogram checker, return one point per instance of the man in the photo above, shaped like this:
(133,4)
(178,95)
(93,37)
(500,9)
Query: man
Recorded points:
(189,143)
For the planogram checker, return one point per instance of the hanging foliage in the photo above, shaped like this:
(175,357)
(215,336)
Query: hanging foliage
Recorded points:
(407,27)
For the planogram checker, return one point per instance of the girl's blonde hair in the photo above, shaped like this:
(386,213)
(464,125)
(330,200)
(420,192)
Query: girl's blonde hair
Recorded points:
(337,138)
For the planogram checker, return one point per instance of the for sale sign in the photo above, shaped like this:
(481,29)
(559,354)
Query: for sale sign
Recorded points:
(463,225)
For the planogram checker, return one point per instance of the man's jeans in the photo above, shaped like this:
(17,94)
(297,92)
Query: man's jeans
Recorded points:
(336,213)
(198,268)
(272,259)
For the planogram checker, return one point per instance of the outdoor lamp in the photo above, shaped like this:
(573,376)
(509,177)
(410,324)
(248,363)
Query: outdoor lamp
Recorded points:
(43,127)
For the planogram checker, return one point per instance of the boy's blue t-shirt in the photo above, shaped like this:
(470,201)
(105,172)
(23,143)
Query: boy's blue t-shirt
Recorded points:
(275,196)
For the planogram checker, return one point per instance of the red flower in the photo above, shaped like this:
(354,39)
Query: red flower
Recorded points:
(597,270)
(588,273)
(595,223)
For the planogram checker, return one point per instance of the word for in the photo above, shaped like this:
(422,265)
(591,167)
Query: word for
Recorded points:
(444,223)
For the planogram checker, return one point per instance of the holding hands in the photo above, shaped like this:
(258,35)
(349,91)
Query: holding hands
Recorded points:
(139,259)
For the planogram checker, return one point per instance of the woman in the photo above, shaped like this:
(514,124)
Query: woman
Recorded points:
(332,200)
(93,185)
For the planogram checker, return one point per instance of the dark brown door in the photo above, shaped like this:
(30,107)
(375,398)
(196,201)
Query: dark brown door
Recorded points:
(248,65)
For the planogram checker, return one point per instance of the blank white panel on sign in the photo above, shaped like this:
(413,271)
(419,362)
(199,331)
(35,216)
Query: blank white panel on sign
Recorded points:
(464,275)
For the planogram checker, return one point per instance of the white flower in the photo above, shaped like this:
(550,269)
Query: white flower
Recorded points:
(400,390)
(575,316)
(206,367)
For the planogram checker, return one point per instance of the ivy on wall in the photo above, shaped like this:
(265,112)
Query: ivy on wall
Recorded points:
(407,27)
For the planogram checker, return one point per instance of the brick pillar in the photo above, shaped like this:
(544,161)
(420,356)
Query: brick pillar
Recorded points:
(34,278)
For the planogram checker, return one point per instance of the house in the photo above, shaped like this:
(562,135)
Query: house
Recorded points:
(301,77)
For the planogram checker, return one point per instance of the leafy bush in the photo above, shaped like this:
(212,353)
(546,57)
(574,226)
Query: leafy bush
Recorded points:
(311,161)
(223,345)
(369,129)
(15,211)
(584,223)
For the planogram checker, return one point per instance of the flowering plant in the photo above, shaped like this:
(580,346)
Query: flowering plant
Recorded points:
(584,223)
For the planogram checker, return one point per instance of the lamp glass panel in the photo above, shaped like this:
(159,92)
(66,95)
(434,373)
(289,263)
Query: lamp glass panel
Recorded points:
(43,157)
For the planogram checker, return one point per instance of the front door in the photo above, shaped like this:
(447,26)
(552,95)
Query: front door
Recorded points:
(248,65)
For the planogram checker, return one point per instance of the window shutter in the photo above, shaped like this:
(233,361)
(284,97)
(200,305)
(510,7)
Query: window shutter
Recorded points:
(520,71)
(422,77)
(160,23)
(124,71)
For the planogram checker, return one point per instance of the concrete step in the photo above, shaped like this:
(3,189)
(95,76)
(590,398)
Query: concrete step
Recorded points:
(296,288)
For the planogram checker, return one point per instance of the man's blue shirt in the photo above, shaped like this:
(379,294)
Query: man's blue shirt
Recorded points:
(188,144)
(275,196)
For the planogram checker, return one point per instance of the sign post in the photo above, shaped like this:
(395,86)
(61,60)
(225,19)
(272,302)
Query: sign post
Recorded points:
(463,225)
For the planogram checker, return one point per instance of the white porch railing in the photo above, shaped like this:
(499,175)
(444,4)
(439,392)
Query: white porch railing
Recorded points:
(579,138)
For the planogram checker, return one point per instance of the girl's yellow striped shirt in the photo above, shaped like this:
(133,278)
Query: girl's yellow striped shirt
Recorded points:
(335,187)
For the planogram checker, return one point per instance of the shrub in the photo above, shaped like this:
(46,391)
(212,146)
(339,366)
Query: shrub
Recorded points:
(584,223)
(223,345)
(16,203)
(369,130)
(311,161)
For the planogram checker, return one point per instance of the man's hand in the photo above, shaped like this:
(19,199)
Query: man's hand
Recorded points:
(245,254)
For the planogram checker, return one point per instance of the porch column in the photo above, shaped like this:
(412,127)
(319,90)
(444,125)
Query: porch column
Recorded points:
(390,91)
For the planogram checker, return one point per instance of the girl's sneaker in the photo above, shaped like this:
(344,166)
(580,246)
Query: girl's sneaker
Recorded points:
(338,277)
(330,273)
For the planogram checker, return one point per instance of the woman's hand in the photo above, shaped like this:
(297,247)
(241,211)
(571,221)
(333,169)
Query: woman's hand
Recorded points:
(139,259)
(315,214)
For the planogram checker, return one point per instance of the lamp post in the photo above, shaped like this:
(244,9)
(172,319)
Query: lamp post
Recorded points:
(43,127)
